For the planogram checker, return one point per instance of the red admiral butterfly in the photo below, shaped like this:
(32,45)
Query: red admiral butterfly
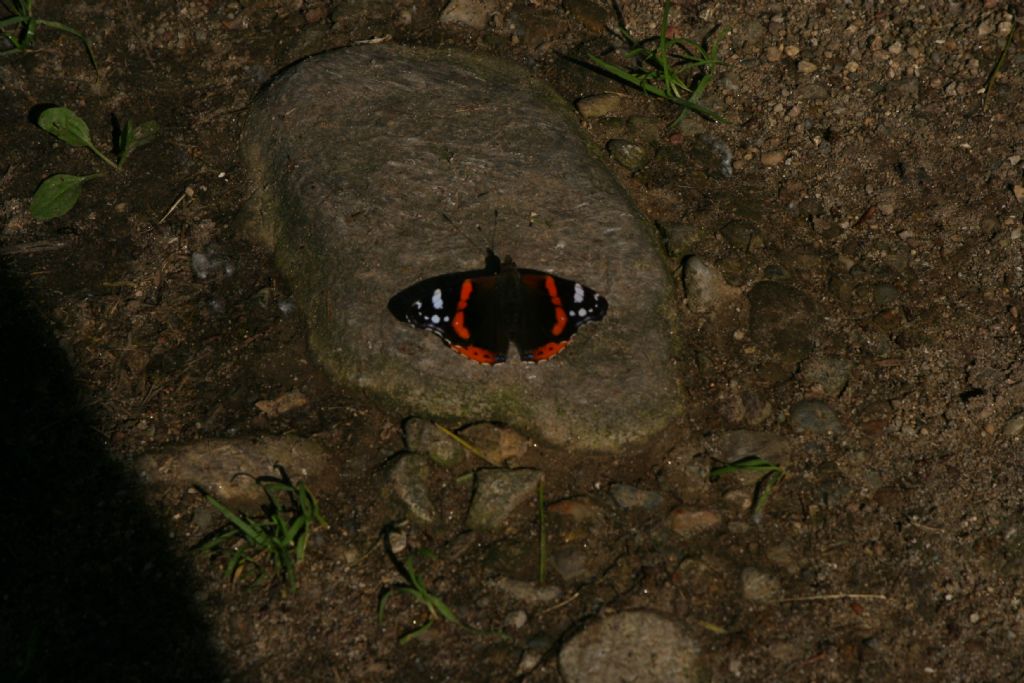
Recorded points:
(478,312)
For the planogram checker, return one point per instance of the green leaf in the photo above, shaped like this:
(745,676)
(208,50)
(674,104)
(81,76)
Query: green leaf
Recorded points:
(132,138)
(63,123)
(57,195)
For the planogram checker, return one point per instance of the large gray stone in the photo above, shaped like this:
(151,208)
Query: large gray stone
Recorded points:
(640,646)
(360,157)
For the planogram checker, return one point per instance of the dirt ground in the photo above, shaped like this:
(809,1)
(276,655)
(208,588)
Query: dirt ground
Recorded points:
(865,165)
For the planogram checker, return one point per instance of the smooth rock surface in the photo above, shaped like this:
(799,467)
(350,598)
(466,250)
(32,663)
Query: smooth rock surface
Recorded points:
(373,168)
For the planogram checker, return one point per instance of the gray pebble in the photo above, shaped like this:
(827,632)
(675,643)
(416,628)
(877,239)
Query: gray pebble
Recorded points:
(741,443)
(688,522)
(598,106)
(759,586)
(628,154)
(497,444)
(814,417)
(829,374)
(1014,426)
(706,289)
(528,592)
(498,493)
(409,478)
(472,13)
(423,436)
(630,497)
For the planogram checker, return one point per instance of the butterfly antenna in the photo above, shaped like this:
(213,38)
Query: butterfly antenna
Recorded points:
(461,231)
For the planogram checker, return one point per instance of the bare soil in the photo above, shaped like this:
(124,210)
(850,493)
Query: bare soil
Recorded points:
(870,171)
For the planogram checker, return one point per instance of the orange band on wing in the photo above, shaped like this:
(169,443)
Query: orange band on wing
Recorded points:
(561,319)
(547,351)
(459,319)
(477,353)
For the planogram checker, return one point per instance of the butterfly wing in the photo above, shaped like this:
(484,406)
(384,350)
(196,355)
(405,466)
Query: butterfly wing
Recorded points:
(461,309)
(552,310)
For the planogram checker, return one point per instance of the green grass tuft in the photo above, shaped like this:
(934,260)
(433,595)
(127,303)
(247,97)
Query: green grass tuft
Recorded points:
(20,28)
(415,588)
(273,545)
(674,69)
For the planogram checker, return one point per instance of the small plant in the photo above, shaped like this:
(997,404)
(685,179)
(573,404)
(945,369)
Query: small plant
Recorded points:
(59,193)
(278,539)
(765,485)
(674,69)
(24,26)
(417,590)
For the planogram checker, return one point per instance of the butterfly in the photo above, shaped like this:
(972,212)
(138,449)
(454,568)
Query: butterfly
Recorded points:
(478,313)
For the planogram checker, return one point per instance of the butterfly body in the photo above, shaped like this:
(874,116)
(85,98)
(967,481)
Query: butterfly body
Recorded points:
(480,313)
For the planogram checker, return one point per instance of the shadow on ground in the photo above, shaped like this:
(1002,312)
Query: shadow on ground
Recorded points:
(91,590)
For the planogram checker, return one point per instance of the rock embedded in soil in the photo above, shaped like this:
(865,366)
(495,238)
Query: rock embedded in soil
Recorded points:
(814,417)
(423,436)
(706,289)
(689,522)
(742,443)
(497,495)
(496,444)
(598,106)
(409,479)
(528,592)
(628,154)
(469,13)
(759,586)
(631,498)
(631,646)
(215,465)
(373,167)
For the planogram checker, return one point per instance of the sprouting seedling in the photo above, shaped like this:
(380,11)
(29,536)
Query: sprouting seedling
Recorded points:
(59,193)
(278,539)
(25,26)
(415,588)
(675,69)
(997,66)
(773,475)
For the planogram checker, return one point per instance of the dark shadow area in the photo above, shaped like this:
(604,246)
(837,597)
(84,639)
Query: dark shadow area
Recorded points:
(91,590)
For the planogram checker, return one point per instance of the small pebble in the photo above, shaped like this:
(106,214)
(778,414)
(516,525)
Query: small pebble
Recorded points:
(1014,426)
(689,522)
(628,154)
(516,620)
(598,106)
(814,417)
(759,586)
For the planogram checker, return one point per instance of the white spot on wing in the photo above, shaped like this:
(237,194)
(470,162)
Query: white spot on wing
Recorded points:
(435,319)
(583,313)
(417,304)
(437,300)
(577,294)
